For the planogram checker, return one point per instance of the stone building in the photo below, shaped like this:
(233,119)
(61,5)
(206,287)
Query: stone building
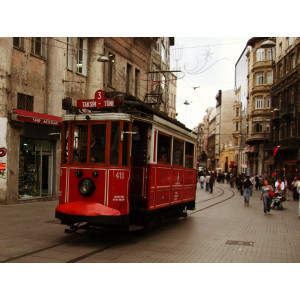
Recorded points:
(224,129)
(36,74)
(285,119)
(260,80)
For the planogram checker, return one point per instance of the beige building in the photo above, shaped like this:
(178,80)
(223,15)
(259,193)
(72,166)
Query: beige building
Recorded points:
(260,80)
(224,129)
(36,74)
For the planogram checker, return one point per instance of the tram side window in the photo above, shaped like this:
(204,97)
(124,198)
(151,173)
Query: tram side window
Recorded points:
(80,140)
(178,152)
(114,147)
(97,144)
(65,141)
(163,148)
(125,145)
(189,155)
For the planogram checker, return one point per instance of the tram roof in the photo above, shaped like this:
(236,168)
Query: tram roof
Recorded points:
(133,109)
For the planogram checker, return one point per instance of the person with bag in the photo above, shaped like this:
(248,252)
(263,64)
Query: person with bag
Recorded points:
(266,195)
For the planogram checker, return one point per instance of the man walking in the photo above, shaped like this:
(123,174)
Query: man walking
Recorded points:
(207,178)
(247,185)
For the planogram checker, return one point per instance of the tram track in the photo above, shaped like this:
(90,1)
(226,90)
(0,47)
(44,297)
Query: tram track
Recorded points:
(210,199)
(115,241)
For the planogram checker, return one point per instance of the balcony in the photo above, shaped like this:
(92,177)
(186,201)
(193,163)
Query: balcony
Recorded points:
(288,110)
(276,114)
(257,137)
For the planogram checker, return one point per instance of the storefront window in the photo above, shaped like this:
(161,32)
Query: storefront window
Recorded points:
(35,168)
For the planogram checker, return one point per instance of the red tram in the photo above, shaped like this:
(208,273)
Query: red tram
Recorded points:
(124,164)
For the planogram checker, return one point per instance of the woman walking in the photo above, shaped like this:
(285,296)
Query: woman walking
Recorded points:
(265,196)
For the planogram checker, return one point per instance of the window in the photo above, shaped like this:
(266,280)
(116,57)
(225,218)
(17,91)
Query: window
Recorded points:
(289,41)
(293,61)
(270,77)
(178,152)
(258,126)
(259,102)
(36,168)
(259,78)
(270,54)
(125,154)
(189,155)
(268,101)
(80,143)
(69,53)
(237,112)
(236,126)
(25,102)
(114,146)
(163,148)
(128,78)
(18,42)
(82,56)
(38,46)
(280,71)
(260,54)
(137,82)
(280,48)
(98,143)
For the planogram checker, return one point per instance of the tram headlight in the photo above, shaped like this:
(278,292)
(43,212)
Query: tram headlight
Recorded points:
(86,187)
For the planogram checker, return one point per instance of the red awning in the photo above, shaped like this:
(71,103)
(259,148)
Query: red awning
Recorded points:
(37,118)
(290,162)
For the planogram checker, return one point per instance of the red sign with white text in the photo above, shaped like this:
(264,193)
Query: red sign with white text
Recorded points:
(98,102)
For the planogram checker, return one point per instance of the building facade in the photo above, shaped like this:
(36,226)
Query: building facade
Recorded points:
(260,80)
(35,75)
(285,119)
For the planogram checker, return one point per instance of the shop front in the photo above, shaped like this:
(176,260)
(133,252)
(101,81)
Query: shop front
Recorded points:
(37,155)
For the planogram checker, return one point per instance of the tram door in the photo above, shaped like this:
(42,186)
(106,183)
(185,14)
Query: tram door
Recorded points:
(139,166)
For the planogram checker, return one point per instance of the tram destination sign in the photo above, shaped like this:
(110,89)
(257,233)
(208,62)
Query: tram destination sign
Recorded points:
(99,102)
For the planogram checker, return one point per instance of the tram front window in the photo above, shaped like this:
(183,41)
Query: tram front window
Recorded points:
(98,139)
(80,143)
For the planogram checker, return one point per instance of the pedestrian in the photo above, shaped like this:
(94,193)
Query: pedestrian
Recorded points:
(252,179)
(298,190)
(279,187)
(231,180)
(207,178)
(256,182)
(211,183)
(266,196)
(286,189)
(202,179)
(247,186)
(294,186)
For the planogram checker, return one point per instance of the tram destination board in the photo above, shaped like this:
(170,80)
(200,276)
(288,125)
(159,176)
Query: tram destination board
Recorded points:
(99,102)
(92,103)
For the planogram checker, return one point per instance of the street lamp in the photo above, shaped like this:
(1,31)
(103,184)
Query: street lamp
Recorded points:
(186,103)
(103,58)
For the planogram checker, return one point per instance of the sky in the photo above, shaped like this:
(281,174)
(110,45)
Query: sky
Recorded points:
(207,65)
